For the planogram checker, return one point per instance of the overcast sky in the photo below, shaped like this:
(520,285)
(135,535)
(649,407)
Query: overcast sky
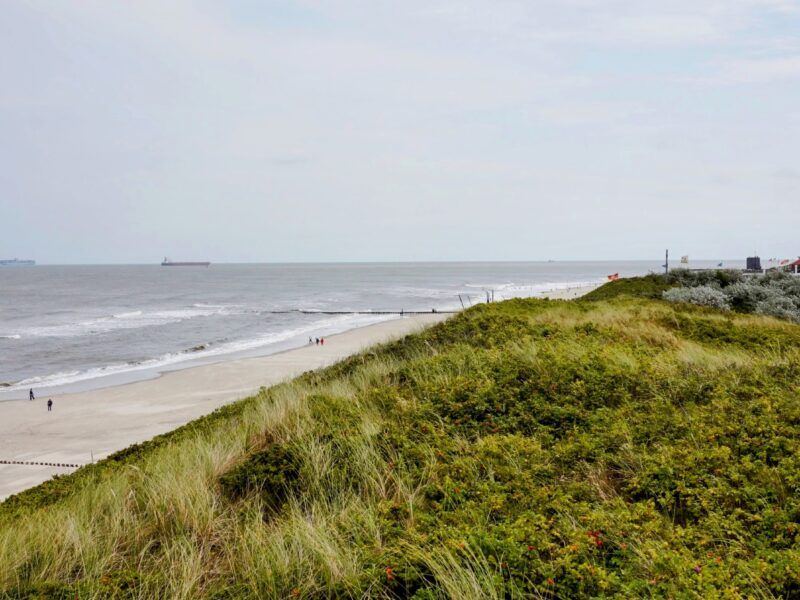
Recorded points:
(258,130)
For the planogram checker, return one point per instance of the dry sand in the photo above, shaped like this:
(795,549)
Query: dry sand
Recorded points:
(569,293)
(91,425)
(96,423)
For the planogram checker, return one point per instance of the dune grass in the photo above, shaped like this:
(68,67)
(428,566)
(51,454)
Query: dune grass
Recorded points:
(619,447)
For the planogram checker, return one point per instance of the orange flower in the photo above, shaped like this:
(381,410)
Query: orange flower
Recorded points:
(389,574)
(295,592)
(551,581)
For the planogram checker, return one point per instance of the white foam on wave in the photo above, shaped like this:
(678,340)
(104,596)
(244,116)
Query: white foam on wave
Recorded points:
(15,336)
(128,315)
(506,291)
(125,320)
(326,326)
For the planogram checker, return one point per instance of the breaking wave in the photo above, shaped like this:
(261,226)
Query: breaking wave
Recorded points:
(125,320)
(200,352)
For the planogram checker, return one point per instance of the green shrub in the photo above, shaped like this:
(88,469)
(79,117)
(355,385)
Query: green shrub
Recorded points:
(649,286)
(630,448)
(702,296)
(272,473)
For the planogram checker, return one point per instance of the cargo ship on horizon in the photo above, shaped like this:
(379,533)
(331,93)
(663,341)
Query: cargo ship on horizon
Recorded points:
(16,262)
(168,263)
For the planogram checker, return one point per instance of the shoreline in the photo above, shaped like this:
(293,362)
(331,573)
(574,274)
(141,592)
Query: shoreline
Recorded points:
(89,425)
(141,371)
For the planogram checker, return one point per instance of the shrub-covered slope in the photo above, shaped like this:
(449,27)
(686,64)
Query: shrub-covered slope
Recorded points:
(774,293)
(525,449)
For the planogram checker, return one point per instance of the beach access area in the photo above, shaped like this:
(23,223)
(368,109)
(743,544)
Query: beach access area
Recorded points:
(36,444)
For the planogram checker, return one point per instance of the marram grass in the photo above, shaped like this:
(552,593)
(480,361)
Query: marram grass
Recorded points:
(620,447)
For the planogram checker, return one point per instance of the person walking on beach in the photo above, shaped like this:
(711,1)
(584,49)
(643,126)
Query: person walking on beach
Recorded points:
(322,341)
(50,404)
(310,341)
(30,395)
(317,340)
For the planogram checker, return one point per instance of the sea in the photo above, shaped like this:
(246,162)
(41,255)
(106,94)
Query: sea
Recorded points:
(72,328)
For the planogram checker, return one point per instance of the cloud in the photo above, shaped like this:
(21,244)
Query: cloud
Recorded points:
(787,173)
(759,70)
(472,113)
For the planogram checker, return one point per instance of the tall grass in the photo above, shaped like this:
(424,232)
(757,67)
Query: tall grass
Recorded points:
(526,449)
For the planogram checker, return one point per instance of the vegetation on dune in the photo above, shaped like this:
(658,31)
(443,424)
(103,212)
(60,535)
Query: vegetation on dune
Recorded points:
(616,447)
(649,286)
(776,293)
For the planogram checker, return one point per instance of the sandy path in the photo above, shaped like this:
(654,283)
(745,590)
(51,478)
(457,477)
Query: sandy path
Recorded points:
(98,422)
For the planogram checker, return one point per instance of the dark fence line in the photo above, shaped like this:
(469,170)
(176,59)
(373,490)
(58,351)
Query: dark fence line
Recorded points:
(38,464)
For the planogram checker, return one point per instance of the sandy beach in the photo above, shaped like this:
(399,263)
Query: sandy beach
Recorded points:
(569,293)
(90,425)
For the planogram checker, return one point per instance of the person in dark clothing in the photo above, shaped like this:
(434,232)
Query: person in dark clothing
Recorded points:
(322,341)
(50,404)
(30,395)
(317,340)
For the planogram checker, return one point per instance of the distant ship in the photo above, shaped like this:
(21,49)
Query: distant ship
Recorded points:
(168,263)
(15,262)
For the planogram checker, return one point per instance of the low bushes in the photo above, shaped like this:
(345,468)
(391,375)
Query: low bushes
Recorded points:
(526,449)
(702,296)
(775,294)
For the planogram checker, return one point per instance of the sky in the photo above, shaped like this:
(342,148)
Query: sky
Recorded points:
(371,130)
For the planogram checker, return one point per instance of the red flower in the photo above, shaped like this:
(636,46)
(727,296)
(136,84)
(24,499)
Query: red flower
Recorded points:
(389,574)
(698,569)
(531,548)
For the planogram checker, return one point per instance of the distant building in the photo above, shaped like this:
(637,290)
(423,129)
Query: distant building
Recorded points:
(754,263)
(793,267)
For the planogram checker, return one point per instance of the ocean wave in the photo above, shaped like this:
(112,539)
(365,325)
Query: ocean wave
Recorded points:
(421,292)
(527,291)
(504,291)
(198,353)
(15,336)
(125,320)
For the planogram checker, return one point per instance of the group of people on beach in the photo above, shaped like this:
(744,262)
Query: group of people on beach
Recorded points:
(31,396)
(318,341)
